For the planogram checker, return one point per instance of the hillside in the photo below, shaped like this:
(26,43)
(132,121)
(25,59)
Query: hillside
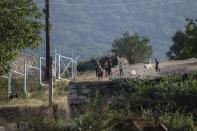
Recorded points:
(88,27)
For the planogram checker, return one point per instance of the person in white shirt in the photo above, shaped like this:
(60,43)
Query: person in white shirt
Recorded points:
(121,69)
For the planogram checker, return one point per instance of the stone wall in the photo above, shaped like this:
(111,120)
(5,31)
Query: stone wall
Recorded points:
(79,92)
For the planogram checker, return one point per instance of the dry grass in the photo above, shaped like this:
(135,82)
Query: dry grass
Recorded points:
(22,102)
(89,76)
(38,97)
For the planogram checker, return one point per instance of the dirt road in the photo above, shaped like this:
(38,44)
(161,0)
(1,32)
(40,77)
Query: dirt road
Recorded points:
(166,67)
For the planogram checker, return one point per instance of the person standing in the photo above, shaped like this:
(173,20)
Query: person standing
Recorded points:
(109,67)
(100,72)
(106,68)
(121,69)
(157,66)
(97,67)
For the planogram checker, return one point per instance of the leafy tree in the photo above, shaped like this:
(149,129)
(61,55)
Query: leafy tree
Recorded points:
(191,44)
(20,27)
(184,42)
(132,47)
(179,40)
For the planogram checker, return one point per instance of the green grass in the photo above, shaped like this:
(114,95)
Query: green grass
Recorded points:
(172,99)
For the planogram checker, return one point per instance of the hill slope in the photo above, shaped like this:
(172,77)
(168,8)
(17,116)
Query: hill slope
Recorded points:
(88,27)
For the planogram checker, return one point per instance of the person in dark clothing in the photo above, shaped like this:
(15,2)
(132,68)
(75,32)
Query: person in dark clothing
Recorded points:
(109,67)
(106,68)
(100,72)
(97,67)
(157,66)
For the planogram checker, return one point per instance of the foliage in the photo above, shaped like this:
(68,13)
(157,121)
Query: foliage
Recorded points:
(175,52)
(172,99)
(37,93)
(20,25)
(94,117)
(178,122)
(184,42)
(91,64)
(132,47)
(191,31)
(35,123)
(3,89)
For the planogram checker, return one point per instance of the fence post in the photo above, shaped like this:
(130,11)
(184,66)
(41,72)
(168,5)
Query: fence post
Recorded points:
(72,69)
(9,83)
(40,70)
(25,79)
(55,63)
(59,66)
(76,73)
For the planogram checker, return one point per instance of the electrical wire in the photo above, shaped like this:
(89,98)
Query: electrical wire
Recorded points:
(105,4)
(99,5)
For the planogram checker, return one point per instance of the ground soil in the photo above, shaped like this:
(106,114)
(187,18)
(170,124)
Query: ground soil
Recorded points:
(166,67)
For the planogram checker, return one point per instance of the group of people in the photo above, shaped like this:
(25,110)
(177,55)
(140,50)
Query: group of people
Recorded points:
(108,68)
(121,73)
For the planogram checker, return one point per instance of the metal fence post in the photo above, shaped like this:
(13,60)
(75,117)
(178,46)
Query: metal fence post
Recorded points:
(25,79)
(59,58)
(9,84)
(72,68)
(40,70)
(55,63)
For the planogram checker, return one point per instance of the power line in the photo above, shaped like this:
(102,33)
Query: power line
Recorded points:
(98,5)
(106,4)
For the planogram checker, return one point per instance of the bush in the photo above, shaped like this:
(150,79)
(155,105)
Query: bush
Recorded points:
(90,65)
(170,98)
(178,122)
(3,89)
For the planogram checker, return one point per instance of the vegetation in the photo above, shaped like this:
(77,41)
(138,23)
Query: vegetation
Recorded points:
(20,25)
(36,94)
(170,99)
(191,31)
(90,65)
(132,47)
(184,42)
(175,52)
(3,90)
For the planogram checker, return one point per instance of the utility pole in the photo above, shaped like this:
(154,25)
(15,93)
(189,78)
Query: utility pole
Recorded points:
(49,59)
(47,13)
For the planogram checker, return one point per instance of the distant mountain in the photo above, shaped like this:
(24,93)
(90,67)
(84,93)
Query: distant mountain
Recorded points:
(88,27)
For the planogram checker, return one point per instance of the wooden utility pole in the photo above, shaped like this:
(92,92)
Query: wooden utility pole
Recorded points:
(49,59)
(47,13)
(51,82)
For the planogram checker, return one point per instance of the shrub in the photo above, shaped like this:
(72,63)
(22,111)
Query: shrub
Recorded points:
(178,122)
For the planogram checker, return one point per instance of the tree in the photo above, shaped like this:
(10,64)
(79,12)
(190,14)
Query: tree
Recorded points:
(20,27)
(184,42)
(191,44)
(176,52)
(132,47)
